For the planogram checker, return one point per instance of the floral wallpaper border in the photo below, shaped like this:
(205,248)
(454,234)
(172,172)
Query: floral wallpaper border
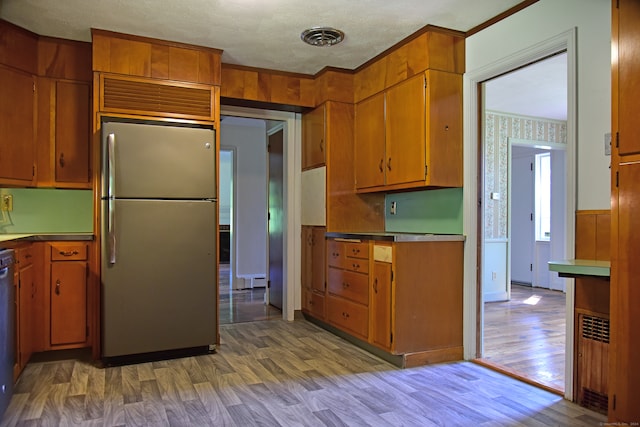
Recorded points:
(498,127)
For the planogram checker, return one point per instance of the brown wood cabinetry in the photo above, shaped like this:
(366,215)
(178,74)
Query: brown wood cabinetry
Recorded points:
(67,296)
(313,138)
(624,371)
(26,296)
(404,298)
(17,134)
(64,137)
(422,141)
(313,270)
(417,288)
(348,286)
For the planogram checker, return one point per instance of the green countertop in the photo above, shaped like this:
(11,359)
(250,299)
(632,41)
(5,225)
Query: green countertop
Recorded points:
(581,267)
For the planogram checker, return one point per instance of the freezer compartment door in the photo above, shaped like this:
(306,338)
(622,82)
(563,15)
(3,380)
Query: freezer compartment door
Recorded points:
(158,162)
(159,290)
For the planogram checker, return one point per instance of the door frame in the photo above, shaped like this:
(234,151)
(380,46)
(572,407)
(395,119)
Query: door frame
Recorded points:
(292,218)
(271,131)
(473,314)
(234,218)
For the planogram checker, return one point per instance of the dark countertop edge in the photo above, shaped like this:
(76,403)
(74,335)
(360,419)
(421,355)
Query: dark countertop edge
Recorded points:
(398,237)
(46,237)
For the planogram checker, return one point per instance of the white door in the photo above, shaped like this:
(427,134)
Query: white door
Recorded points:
(522,220)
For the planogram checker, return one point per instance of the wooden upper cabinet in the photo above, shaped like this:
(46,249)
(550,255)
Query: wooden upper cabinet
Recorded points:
(64,138)
(405,158)
(314,141)
(369,142)
(158,59)
(17,136)
(628,68)
(415,139)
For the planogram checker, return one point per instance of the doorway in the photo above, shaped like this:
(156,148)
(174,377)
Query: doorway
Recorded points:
(249,267)
(522,222)
(275,149)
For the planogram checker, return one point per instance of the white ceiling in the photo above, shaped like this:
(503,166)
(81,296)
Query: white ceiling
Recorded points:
(539,90)
(266,33)
(257,33)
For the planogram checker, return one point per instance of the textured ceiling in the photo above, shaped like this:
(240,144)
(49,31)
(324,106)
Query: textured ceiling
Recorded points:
(257,33)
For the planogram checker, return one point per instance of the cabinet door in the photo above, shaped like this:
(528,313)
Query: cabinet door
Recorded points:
(17,138)
(369,150)
(313,138)
(625,322)
(318,265)
(306,258)
(405,132)
(72,138)
(68,302)
(381,305)
(628,69)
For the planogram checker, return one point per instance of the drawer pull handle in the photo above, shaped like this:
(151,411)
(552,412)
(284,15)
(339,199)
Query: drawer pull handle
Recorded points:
(58,287)
(345,315)
(345,285)
(28,256)
(356,251)
(355,266)
(68,253)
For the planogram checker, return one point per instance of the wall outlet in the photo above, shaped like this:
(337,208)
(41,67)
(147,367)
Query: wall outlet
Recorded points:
(6,204)
(392,208)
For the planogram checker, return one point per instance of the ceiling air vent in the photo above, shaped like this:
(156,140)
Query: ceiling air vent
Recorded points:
(322,36)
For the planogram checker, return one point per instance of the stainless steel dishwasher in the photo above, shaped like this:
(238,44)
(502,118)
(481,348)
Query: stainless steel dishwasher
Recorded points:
(7,315)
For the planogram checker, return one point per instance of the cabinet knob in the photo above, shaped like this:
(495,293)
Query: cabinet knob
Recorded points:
(58,287)
(61,161)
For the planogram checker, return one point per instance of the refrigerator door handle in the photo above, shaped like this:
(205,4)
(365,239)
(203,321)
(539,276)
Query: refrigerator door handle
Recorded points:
(111,230)
(111,210)
(111,164)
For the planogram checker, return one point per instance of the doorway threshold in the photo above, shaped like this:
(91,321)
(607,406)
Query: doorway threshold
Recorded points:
(519,376)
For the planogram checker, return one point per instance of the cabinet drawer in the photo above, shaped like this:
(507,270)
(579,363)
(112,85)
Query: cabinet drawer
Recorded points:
(347,284)
(335,253)
(348,315)
(357,265)
(69,251)
(24,256)
(357,250)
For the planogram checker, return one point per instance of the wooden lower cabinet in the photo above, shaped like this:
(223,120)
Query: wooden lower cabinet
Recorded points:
(313,270)
(405,298)
(68,279)
(25,304)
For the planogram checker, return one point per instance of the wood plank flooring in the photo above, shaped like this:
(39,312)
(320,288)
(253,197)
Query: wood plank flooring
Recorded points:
(527,335)
(280,373)
(245,305)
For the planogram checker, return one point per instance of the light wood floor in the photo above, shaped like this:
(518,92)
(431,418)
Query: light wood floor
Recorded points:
(527,335)
(245,305)
(279,373)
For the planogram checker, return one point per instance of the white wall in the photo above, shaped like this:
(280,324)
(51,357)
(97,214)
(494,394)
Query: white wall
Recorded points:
(226,181)
(541,21)
(584,28)
(248,136)
(313,203)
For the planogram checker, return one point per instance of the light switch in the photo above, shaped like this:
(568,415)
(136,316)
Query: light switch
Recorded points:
(392,208)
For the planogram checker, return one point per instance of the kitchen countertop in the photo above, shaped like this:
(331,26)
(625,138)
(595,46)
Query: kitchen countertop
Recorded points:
(581,267)
(399,237)
(43,237)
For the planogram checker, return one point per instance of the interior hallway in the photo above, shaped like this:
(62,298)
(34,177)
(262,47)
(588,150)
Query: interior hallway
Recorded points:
(243,305)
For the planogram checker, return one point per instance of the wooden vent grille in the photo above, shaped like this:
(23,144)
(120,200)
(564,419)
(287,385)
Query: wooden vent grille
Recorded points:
(593,400)
(595,328)
(137,96)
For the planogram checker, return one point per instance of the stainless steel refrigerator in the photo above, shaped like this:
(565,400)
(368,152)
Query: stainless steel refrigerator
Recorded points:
(158,238)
